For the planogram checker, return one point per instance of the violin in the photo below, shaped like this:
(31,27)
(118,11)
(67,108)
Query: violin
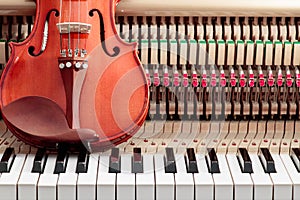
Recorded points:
(73,80)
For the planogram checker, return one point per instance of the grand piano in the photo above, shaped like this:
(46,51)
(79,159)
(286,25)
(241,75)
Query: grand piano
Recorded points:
(223,121)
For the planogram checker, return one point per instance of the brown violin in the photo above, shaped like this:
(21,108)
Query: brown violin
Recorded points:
(73,80)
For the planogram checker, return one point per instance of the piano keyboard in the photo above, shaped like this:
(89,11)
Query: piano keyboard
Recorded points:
(154,168)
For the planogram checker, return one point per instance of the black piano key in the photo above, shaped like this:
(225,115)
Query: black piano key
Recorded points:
(39,161)
(212,161)
(82,162)
(295,155)
(244,160)
(170,164)
(114,161)
(191,161)
(267,160)
(61,160)
(137,161)
(7,160)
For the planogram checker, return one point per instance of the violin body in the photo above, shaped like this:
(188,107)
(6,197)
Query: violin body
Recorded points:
(73,78)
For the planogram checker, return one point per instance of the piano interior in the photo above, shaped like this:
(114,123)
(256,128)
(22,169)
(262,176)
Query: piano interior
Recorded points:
(223,121)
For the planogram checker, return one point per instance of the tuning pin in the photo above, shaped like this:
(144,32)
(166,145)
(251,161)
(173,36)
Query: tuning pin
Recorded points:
(61,65)
(68,64)
(76,52)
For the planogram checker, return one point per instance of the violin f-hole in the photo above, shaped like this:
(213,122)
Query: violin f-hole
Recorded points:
(31,49)
(102,34)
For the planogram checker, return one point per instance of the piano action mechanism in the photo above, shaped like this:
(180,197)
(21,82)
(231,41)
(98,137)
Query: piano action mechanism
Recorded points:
(223,121)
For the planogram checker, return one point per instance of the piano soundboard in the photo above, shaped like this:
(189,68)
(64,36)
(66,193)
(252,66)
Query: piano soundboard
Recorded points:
(223,121)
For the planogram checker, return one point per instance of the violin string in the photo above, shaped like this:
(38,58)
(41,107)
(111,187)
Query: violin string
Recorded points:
(60,14)
(69,31)
(79,12)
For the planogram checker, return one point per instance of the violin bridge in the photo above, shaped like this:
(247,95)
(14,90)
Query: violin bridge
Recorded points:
(73,27)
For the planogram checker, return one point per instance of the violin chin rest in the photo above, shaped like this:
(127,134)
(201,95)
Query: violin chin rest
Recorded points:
(41,119)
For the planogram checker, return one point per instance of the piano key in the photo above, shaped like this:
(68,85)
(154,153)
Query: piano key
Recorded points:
(145,182)
(262,183)
(223,181)
(28,180)
(61,160)
(39,161)
(293,173)
(114,161)
(295,155)
(137,161)
(204,183)
(164,181)
(212,161)
(8,181)
(184,182)
(281,180)
(47,184)
(267,160)
(170,163)
(86,183)
(106,182)
(66,184)
(7,160)
(191,161)
(82,162)
(125,189)
(244,160)
(243,185)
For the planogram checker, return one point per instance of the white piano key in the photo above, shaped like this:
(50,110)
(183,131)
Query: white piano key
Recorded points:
(250,53)
(211,52)
(202,54)
(126,179)
(27,184)
(293,173)
(8,181)
(221,53)
(259,52)
(296,53)
(154,51)
(243,185)
(288,50)
(230,52)
(184,182)
(268,53)
(145,182)
(223,181)
(278,53)
(164,181)
(144,51)
(163,52)
(86,183)
(173,52)
(240,52)
(48,181)
(183,52)
(66,184)
(281,180)
(193,52)
(106,182)
(263,186)
(204,183)
(2,52)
